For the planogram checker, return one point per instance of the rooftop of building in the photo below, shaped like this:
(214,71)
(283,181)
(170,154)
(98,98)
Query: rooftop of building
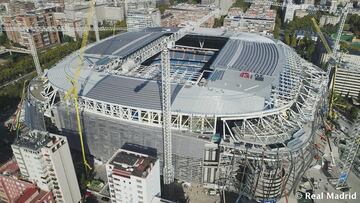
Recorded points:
(185,6)
(10,168)
(34,140)
(351,62)
(256,11)
(34,195)
(133,163)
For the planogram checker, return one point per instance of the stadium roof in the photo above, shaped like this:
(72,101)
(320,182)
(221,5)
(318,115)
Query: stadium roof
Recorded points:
(247,52)
(226,91)
(124,44)
(130,92)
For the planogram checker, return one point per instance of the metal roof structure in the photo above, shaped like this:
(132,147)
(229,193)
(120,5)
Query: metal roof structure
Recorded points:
(247,53)
(244,76)
(124,44)
(232,81)
(146,93)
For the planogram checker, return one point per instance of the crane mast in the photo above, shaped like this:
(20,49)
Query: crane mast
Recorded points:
(354,143)
(168,170)
(345,12)
(34,52)
(350,153)
(30,29)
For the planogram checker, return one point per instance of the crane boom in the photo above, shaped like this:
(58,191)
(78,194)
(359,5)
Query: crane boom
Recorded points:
(321,35)
(345,12)
(74,83)
(34,53)
(354,144)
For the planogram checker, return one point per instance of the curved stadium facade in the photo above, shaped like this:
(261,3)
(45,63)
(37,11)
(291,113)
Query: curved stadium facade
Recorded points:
(243,106)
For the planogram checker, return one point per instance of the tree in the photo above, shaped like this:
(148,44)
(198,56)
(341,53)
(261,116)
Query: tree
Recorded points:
(163,7)
(241,4)
(277,27)
(120,24)
(293,40)
(354,111)
(3,39)
(219,22)
(287,38)
(67,38)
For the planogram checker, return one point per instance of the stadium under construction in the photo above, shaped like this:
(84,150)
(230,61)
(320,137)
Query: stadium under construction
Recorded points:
(243,106)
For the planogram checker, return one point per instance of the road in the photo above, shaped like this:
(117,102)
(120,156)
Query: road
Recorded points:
(17,79)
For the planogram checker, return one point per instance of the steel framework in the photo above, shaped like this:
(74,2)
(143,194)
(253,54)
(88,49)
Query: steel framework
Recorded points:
(349,154)
(168,171)
(267,152)
(34,53)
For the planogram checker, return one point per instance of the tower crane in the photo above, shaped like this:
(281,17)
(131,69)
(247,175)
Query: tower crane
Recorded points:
(354,143)
(350,152)
(163,47)
(34,54)
(335,58)
(29,30)
(138,57)
(72,93)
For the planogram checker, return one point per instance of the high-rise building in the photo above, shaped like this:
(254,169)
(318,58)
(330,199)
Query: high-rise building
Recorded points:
(142,18)
(133,177)
(45,159)
(141,14)
(258,18)
(347,77)
(291,8)
(38,18)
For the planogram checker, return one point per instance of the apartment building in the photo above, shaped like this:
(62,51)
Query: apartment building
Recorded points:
(257,19)
(329,20)
(138,19)
(133,177)
(180,15)
(40,18)
(141,14)
(18,7)
(347,76)
(45,160)
(13,189)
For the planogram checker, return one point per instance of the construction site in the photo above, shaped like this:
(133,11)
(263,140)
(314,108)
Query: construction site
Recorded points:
(243,106)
